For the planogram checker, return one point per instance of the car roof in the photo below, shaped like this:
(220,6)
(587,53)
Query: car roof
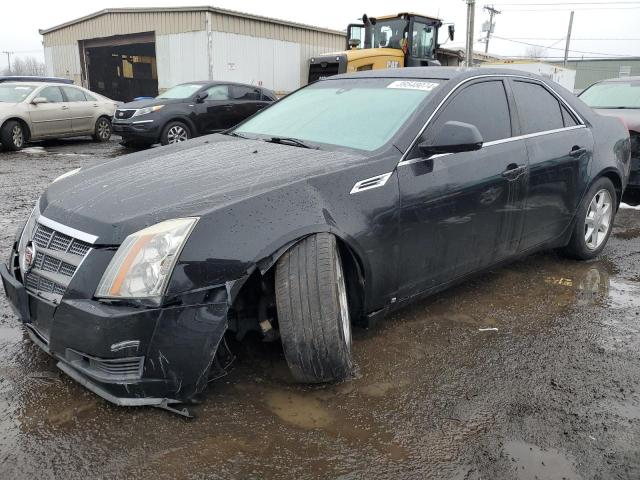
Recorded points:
(620,80)
(435,73)
(220,82)
(39,84)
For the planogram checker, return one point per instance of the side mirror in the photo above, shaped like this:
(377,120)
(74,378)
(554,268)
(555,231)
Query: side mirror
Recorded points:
(354,42)
(38,100)
(201,97)
(452,31)
(453,137)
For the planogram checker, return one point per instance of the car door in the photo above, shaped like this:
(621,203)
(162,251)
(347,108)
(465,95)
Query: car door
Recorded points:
(215,113)
(246,101)
(461,212)
(52,117)
(560,149)
(82,110)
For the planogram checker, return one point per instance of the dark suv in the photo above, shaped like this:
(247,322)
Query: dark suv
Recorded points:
(188,110)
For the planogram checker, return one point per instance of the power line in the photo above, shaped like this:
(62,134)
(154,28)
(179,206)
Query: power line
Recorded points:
(558,48)
(578,39)
(564,9)
(571,3)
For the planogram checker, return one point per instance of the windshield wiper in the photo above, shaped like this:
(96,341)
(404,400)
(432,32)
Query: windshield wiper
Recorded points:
(234,134)
(291,141)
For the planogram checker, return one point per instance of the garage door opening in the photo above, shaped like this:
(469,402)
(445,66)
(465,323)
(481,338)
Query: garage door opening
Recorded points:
(123,67)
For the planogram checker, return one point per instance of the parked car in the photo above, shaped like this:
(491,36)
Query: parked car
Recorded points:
(339,203)
(33,78)
(620,97)
(38,111)
(188,110)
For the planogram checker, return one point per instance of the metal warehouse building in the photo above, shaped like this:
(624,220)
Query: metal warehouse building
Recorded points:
(130,52)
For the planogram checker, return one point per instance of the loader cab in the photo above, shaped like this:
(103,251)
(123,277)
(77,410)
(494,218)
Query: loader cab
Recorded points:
(415,35)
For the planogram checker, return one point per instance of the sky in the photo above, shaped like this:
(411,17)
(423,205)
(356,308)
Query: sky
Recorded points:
(600,29)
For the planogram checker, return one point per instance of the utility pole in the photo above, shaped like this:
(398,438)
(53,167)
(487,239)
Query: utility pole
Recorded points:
(492,12)
(8,60)
(471,10)
(566,47)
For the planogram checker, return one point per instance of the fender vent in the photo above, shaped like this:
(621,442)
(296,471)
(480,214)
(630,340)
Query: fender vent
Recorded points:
(369,183)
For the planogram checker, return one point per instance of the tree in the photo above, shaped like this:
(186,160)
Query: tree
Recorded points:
(25,66)
(535,51)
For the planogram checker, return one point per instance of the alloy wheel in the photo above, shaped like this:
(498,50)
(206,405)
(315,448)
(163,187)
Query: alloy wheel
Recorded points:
(177,134)
(598,219)
(17,136)
(104,129)
(343,302)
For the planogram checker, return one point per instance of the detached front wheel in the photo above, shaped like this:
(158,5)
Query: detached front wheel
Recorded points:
(313,311)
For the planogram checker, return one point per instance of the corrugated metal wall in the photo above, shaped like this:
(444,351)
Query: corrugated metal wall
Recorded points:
(589,72)
(182,54)
(181,57)
(273,64)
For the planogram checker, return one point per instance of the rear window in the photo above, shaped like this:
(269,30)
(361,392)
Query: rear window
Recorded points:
(538,109)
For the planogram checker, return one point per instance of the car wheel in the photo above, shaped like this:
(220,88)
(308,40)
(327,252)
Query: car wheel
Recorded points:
(175,132)
(102,130)
(12,135)
(313,310)
(594,221)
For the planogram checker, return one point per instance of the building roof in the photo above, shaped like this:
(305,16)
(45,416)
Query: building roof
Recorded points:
(221,11)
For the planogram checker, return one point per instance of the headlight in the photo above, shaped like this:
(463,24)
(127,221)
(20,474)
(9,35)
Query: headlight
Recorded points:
(65,175)
(25,236)
(145,110)
(144,262)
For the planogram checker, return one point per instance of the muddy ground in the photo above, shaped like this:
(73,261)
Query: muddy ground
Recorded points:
(552,392)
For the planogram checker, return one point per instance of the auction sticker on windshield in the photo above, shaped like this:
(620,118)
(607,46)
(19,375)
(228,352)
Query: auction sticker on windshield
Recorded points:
(413,85)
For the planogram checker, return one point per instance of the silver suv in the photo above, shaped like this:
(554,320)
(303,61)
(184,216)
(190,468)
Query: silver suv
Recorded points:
(42,110)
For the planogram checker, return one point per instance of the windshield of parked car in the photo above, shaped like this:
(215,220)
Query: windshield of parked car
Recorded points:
(14,93)
(361,113)
(185,90)
(612,95)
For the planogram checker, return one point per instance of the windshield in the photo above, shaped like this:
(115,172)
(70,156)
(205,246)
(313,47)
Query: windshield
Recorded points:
(14,93)
(362,114)
(390,33)
(612,95)
(185,90)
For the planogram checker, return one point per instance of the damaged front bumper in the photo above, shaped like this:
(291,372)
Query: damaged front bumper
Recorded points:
(128,355)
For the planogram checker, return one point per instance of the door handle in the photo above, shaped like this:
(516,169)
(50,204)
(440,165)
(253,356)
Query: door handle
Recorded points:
(577,151)
(64,107)
(513,171)
(227,107)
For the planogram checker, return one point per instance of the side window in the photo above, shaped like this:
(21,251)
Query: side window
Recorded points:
(569,120)
(52,94)
(74,94)
(422,42)
(483,105)
(218,92)
(268,96)
(90,98)
(245,93)
(538,110)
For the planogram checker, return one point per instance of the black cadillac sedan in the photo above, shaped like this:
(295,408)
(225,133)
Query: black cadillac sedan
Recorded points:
(339,203)
(188,110)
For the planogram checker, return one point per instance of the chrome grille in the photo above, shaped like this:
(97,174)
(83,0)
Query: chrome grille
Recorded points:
(123,114)
(106,369)
(58,256)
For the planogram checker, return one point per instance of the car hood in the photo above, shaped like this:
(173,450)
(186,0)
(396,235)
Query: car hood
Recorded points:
(152,102)
(194,178)
(631,117)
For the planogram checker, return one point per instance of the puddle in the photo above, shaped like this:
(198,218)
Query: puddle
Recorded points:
(34,151)
(625,410)
(299,410)
(624,294)
(533,463)
(10,334)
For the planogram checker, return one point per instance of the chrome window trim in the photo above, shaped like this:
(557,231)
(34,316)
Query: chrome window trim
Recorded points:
(72,232)
(141,121)
(581,122)
(371,182)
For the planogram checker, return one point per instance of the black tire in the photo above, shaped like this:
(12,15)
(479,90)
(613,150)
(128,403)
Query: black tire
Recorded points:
(175,132)
(578,246)
(316,341)
(13,135)
(102,130)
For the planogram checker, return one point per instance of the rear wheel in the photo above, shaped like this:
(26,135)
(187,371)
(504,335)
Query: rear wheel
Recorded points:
(313,311)
(594,221)
(175,132)
(102,130)
(12,135)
